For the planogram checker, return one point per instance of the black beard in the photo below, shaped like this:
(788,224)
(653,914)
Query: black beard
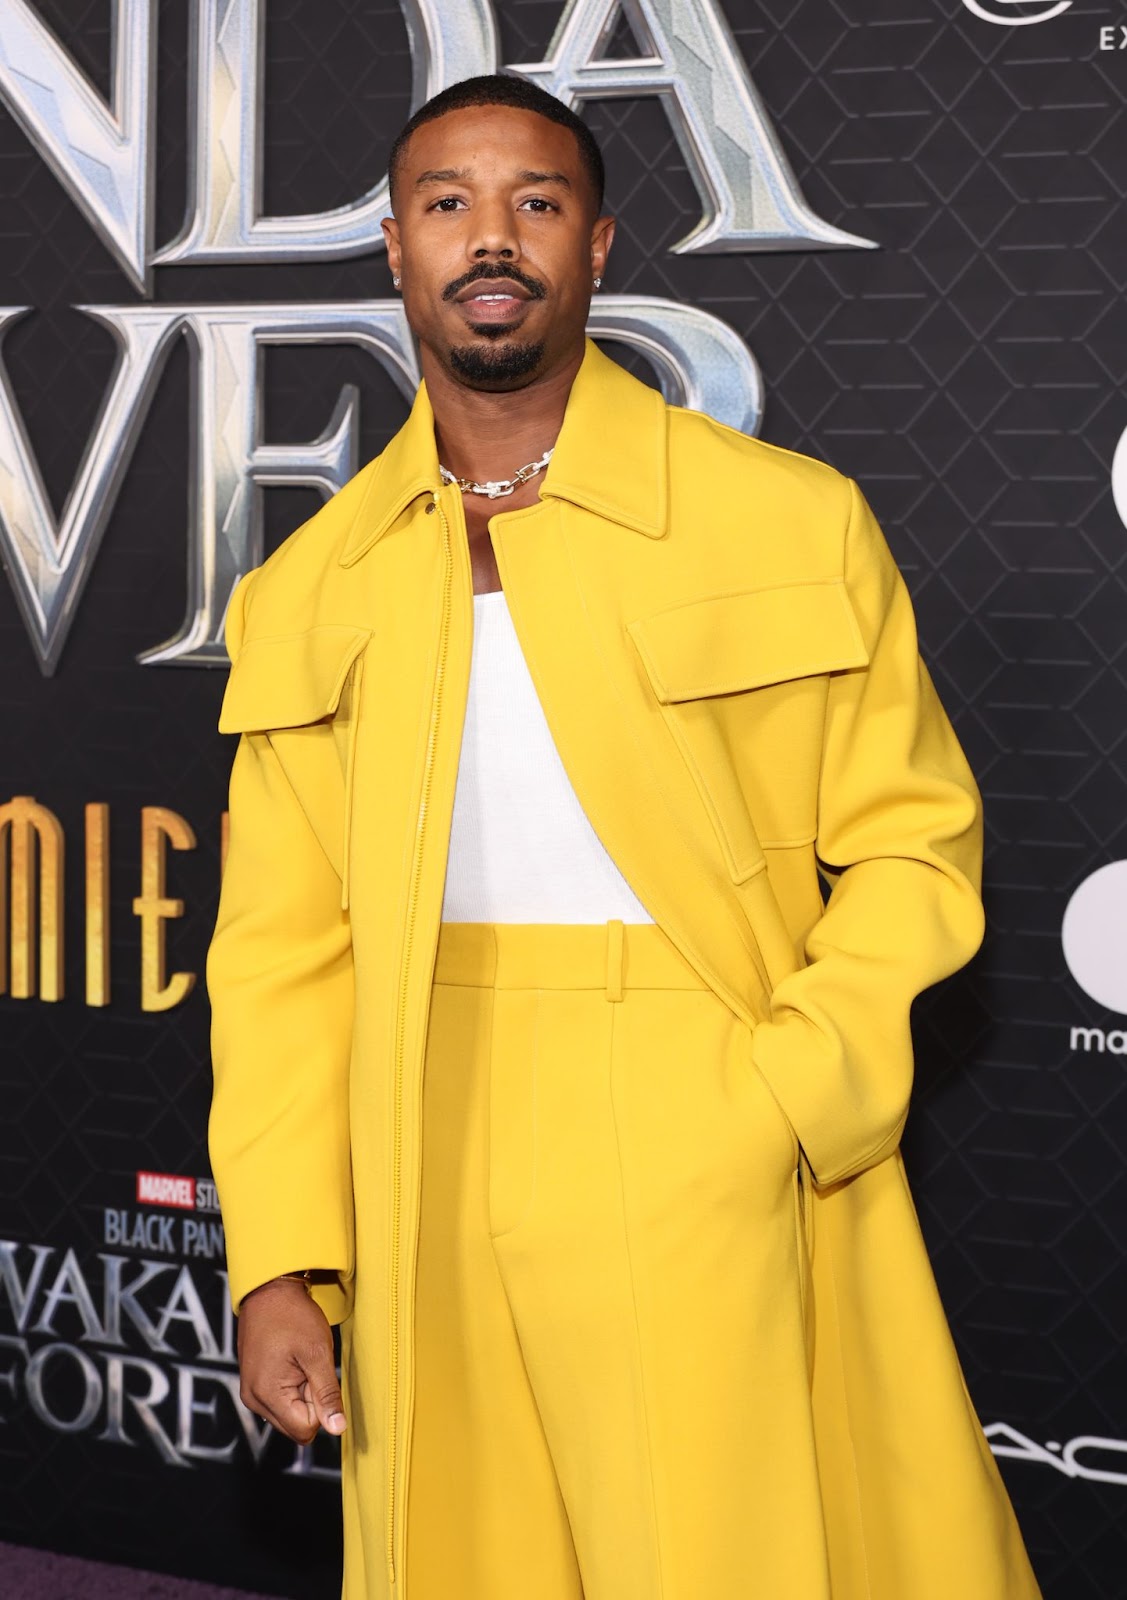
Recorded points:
(481,367)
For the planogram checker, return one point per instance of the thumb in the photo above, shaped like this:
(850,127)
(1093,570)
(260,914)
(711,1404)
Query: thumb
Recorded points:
(323,1392)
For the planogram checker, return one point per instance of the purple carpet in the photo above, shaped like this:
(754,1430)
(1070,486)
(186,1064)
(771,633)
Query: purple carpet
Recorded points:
(40,1575)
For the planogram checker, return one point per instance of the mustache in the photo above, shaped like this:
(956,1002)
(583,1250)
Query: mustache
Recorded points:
(486,270)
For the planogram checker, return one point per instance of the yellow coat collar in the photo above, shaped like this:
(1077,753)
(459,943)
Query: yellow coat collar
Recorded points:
(610,458)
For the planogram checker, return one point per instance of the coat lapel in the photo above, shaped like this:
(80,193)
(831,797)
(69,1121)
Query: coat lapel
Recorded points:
(571,566)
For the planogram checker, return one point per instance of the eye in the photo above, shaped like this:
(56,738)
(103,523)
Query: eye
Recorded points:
(447,203)
(539,204)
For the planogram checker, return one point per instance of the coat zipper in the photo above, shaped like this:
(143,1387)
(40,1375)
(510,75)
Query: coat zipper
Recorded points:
(400,1031)
(349,779)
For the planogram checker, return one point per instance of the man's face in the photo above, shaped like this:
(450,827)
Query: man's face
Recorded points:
(496,241)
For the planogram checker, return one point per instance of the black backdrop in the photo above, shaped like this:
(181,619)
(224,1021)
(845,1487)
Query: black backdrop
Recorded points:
(969,373)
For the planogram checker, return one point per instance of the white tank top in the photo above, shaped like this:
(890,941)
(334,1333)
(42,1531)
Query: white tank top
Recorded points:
(521,847)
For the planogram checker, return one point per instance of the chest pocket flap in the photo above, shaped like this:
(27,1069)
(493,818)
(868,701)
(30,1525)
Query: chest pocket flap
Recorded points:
(748,640)
(302,690)
(291,680)
(754,756)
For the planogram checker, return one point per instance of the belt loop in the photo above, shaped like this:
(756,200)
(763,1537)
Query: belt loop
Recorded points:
(614,959)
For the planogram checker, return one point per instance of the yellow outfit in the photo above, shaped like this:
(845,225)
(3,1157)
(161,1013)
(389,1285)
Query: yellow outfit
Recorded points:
(735,1375)
(610,1284)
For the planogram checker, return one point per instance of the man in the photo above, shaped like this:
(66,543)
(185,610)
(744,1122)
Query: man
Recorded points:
(541,1065)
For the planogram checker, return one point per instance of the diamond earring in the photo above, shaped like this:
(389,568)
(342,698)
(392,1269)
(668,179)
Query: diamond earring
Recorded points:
(396,282)
(598,283)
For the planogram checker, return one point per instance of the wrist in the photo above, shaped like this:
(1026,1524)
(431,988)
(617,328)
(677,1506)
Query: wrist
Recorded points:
(304,1278)
(293,1282)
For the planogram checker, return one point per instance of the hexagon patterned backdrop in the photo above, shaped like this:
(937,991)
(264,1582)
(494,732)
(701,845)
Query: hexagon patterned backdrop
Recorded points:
(890,233)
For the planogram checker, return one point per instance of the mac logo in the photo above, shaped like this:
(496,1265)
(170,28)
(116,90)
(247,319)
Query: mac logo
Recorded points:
(1017,13)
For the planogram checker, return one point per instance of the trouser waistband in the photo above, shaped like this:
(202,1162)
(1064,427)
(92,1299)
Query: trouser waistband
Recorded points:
(614,956)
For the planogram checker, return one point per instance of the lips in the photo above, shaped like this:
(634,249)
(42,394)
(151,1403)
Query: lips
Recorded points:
(493,300)
(492,289)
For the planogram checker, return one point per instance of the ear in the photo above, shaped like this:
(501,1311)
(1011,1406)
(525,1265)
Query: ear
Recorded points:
(394,249)
(602,237)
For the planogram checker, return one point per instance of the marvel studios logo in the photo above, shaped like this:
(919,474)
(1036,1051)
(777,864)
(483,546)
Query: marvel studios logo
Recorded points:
(185,1194)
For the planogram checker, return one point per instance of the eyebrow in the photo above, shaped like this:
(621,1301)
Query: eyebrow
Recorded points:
(442,175)
(545,177)
(463,175)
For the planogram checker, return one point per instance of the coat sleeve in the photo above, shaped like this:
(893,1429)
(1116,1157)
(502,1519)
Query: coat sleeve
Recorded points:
(900,834)
(280,980)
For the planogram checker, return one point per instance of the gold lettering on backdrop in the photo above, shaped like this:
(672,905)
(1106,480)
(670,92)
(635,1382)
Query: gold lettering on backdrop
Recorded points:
(32,910)
(97,905)
(160,827)
(31,838)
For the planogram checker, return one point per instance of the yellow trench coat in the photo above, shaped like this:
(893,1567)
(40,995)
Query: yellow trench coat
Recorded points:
(726,656)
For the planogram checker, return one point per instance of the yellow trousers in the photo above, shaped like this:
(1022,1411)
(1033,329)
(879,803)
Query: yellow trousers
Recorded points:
(612,1395)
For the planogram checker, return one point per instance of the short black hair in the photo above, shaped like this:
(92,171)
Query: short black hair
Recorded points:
(500,89)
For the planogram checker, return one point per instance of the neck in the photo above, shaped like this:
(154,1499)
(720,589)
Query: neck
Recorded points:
(483,434)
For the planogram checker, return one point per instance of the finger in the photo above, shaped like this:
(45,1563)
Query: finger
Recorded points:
(307,1400)
(323,1390)
(296,1420)
(284,1411)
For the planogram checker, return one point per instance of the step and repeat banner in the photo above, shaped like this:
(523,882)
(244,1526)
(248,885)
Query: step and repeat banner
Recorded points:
(891,233)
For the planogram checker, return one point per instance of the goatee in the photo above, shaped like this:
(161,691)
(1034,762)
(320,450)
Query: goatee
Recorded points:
(483,367)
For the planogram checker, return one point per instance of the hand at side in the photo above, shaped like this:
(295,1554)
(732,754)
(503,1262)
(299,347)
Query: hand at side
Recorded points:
(286,1366)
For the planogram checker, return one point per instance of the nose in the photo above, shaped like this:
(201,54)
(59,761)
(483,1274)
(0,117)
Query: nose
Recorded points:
(494,232)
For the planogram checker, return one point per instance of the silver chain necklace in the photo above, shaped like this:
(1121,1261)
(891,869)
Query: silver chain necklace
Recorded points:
(494,489)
